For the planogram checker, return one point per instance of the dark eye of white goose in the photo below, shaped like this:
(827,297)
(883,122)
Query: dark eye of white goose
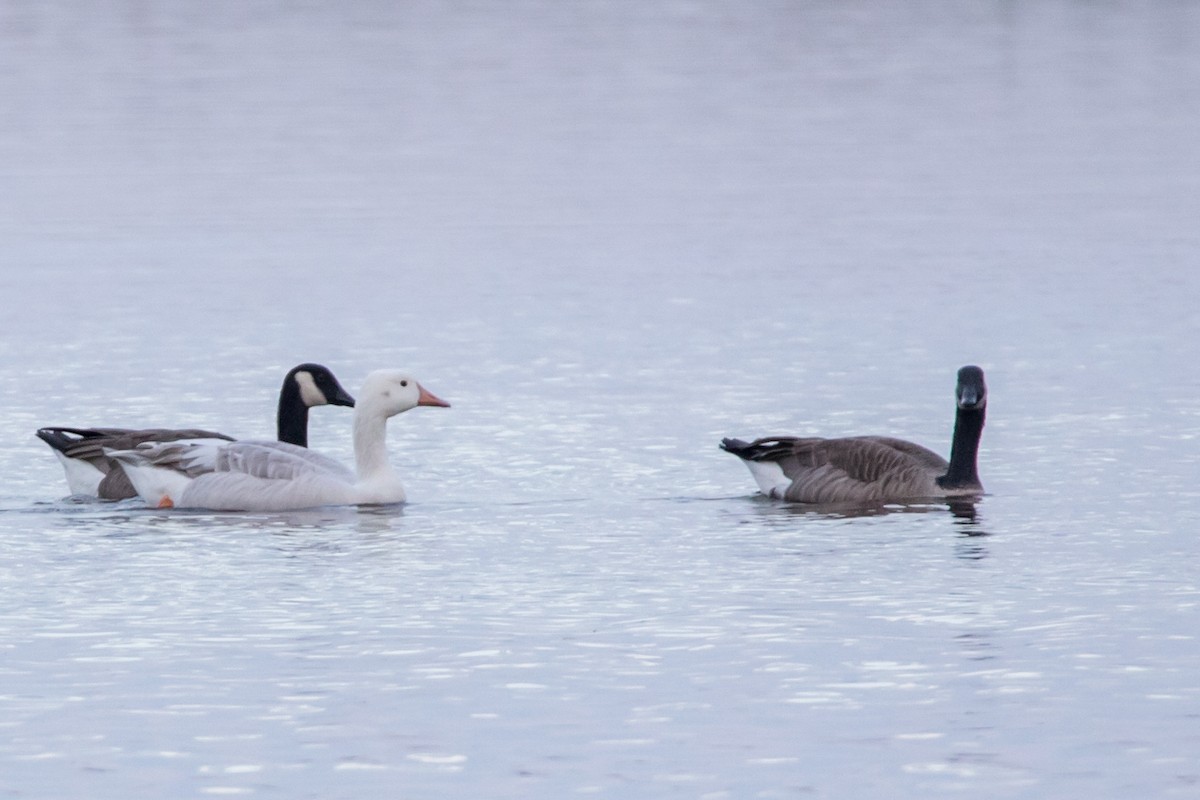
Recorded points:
(404,383)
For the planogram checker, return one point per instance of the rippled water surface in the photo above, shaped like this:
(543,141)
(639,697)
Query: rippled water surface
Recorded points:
(609,234)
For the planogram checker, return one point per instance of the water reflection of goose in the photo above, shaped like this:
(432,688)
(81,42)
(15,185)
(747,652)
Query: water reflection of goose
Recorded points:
(91,472)
(274,476)
(963,511)
(872,469)
(967,524)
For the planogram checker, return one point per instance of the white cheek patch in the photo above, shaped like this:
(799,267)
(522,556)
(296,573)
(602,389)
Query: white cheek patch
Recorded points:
(309,393)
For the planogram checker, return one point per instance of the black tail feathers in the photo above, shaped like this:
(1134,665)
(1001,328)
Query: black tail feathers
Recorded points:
(737,447)
(62,439)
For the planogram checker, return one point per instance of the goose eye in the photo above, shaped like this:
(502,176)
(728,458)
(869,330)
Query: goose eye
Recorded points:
(404,383)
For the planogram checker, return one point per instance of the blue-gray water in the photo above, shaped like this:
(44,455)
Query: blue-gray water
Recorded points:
(609,233)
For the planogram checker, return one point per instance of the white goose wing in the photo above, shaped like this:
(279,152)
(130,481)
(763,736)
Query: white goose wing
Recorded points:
(160,471)
(269,476)
(240,491)
(248,476)
(188,457)
(196,457)
(278,461)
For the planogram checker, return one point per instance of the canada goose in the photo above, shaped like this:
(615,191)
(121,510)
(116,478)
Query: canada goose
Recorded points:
(862,469)
(273,476)
(90,472)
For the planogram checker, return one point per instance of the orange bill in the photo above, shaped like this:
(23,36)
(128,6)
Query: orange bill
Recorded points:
(428,398)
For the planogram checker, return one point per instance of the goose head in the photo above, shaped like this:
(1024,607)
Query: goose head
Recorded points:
(318,386)
(971,392)
(392,392)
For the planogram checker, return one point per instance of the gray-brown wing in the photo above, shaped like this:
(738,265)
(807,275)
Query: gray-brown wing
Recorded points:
(922,454)
(115,485)
(858,469)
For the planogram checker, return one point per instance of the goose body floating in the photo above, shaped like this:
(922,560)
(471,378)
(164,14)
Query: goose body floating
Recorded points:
(275,476)
(872,469)
(91,472)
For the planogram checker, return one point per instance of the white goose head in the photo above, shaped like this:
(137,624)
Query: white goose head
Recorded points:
(389,392)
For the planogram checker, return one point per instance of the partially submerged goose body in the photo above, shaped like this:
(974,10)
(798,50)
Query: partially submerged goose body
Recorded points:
(872,469)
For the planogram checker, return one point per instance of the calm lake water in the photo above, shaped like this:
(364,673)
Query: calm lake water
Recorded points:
(609,233)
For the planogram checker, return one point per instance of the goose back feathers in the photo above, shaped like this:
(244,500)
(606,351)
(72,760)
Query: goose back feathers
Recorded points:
(872,469)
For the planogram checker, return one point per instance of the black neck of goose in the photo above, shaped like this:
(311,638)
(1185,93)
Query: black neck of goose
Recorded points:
(292,422)
(964,450)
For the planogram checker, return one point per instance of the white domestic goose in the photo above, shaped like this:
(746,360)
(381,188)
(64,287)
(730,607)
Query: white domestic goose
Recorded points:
(90,472)
(872,469)
(273,476)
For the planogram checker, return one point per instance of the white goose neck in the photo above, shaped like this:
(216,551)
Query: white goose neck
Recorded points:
(370,443)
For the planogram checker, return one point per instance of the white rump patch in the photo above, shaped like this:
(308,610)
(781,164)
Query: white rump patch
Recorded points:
(154,484)
(769,477)
(82,477)
(309,393)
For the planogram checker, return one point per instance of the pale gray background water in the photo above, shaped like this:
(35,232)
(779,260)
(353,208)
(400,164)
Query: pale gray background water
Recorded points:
(609,233)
